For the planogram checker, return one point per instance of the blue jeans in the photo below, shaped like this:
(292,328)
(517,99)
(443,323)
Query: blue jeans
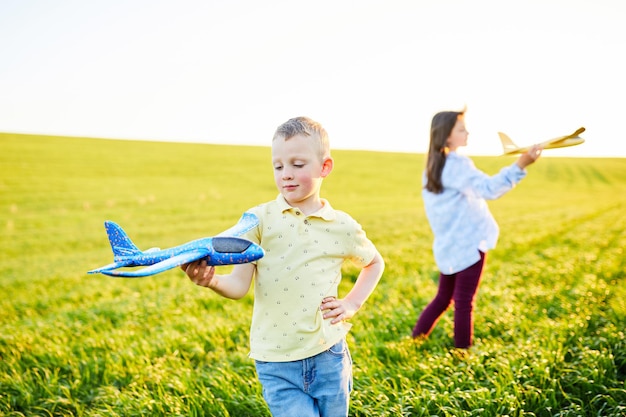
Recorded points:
(317,386)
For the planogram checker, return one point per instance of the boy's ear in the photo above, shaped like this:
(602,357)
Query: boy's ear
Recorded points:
(327,167)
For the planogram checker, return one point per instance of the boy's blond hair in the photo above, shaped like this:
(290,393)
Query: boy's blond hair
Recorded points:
(306,127)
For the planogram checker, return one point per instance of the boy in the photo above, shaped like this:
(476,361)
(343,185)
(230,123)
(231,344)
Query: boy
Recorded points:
(297,334)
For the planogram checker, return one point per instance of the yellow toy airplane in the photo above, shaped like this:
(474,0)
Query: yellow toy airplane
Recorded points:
(511,148)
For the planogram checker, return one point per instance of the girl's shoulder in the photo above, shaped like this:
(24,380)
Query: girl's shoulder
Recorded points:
(457,161)
(455,156)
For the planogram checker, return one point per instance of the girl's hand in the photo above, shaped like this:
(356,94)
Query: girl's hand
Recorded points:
(529,157)
(337,309)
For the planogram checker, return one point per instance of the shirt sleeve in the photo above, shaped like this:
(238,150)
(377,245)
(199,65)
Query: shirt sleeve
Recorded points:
(463,176)
(364,250)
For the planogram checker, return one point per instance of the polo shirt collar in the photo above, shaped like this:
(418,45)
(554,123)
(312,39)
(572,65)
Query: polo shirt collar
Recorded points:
(326,212)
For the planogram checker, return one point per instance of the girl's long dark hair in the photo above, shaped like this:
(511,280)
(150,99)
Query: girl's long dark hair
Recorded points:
(440,129)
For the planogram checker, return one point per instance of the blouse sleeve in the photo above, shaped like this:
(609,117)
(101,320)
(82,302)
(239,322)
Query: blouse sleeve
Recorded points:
(463,176)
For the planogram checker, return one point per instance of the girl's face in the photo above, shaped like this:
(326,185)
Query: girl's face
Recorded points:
(458,136)
(299,171)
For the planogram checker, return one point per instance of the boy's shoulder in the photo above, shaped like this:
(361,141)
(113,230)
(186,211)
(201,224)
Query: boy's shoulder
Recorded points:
(342,215)
(267,206)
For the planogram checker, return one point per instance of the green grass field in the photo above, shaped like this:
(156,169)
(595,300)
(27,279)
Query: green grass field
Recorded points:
(549,326)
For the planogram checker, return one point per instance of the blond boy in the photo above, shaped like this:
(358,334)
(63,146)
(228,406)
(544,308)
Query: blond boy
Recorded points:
(298,329)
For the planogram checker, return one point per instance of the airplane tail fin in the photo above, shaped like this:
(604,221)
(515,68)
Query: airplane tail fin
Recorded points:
(508,145)
(121,244)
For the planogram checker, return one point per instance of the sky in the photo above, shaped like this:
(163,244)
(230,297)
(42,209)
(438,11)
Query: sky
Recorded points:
(372,72)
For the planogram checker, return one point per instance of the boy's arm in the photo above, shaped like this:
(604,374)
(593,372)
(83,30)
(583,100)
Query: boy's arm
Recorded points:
(344,309)
(234,285)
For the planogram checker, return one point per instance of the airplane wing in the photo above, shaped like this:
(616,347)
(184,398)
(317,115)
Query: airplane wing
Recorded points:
(247,222)
(558,142)
(108,267)
(174,261)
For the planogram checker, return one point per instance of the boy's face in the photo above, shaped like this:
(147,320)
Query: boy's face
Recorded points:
(299,170)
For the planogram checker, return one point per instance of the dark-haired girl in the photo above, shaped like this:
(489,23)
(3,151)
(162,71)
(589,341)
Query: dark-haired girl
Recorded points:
(455,194)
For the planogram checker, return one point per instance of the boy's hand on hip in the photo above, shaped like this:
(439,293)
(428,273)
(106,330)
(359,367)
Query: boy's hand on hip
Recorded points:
(337,309)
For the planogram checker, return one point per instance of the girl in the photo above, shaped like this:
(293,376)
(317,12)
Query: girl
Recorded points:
(454,196)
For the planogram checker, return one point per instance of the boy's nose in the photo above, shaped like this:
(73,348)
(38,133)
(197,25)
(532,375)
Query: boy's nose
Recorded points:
(287,174)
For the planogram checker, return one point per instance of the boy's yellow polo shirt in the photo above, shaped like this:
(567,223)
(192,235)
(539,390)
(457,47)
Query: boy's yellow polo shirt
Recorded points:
(301,266)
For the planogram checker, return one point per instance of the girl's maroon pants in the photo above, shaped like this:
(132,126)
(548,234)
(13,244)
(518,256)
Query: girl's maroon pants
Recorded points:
(460,288)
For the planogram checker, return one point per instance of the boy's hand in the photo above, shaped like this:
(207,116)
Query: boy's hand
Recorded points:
(338,309)
(199,272)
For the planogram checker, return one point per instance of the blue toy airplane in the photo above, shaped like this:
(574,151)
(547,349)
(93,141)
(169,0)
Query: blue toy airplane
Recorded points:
(225,248)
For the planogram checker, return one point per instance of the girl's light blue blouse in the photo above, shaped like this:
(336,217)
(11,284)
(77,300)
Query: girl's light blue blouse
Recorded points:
(459,217)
